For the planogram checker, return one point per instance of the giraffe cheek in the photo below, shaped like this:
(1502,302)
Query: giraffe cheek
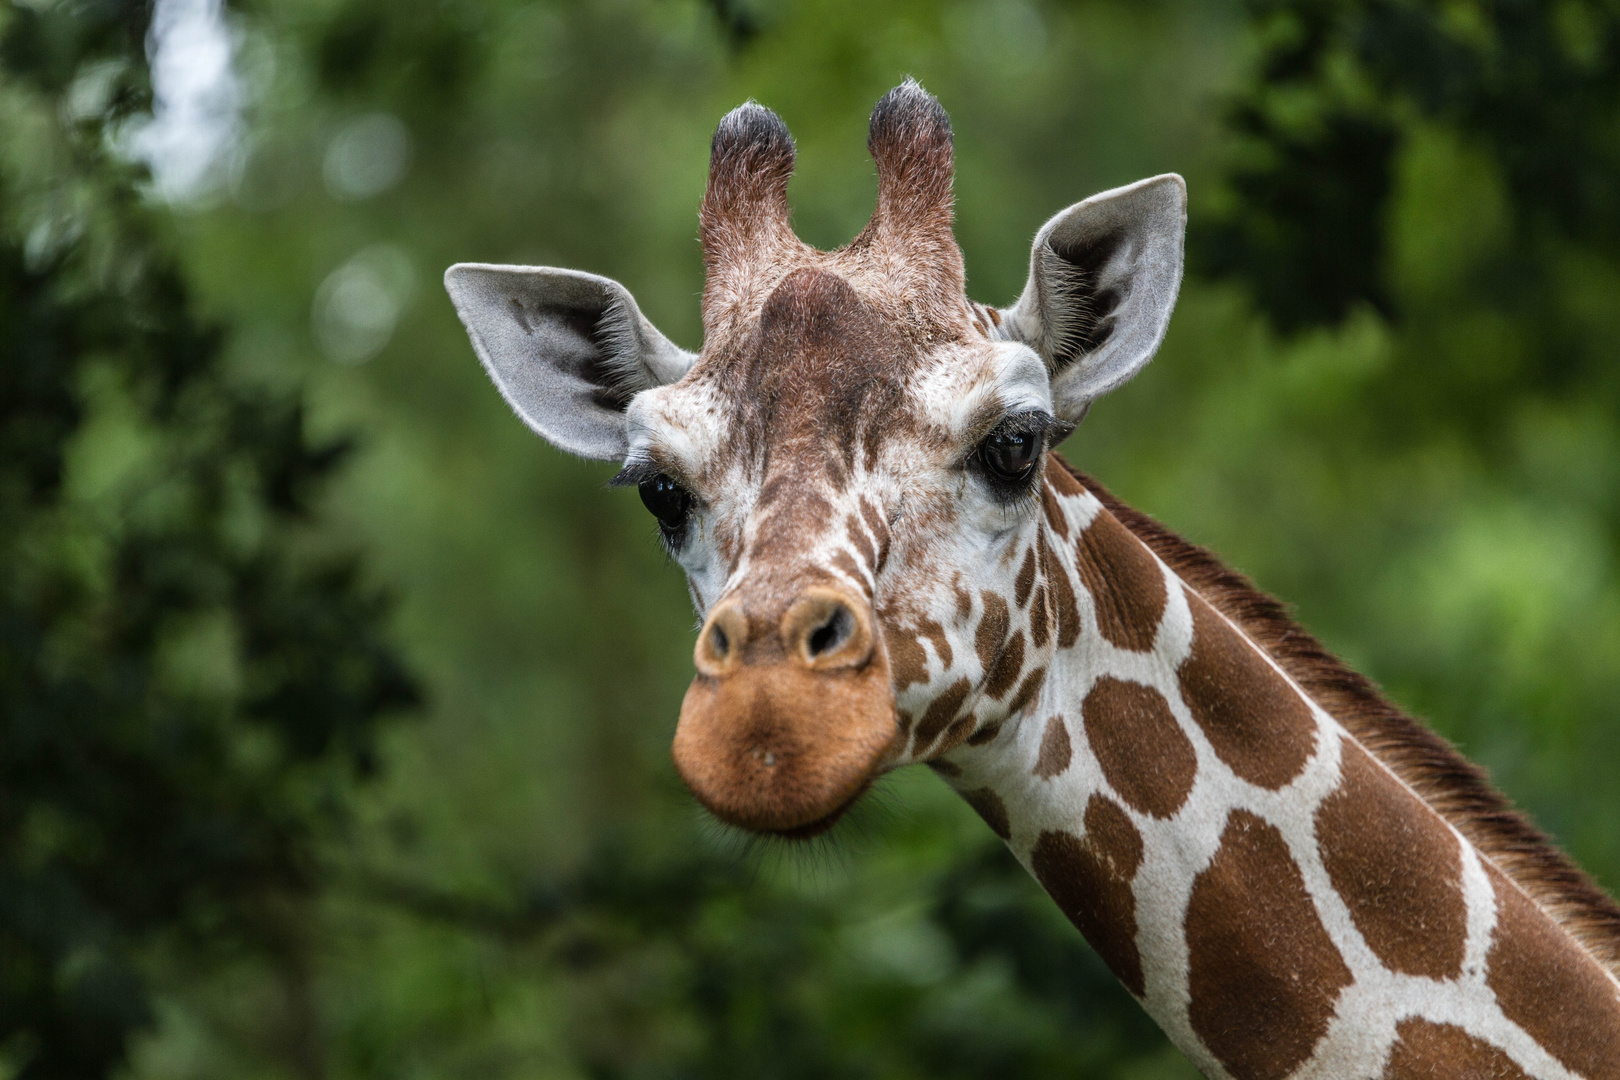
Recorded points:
(779,749)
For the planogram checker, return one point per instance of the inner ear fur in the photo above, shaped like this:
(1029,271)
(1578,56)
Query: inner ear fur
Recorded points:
(567,349)
(1103,280)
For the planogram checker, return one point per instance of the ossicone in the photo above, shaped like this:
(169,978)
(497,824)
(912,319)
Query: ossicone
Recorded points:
(750,163)
(910,140)
(911,143)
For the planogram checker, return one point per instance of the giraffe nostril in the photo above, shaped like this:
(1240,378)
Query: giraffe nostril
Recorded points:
(722,642)
(824,629)
(831,633)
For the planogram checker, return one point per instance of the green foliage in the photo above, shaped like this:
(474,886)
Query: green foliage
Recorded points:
(1341,88)
(691,967)
(184,690)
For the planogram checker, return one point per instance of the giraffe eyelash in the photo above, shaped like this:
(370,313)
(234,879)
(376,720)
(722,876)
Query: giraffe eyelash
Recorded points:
(636,473)
(1008,457)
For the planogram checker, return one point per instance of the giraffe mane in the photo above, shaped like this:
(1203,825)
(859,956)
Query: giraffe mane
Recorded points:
(1457,789)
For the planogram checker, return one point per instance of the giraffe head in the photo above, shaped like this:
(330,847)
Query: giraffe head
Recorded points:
(851,471)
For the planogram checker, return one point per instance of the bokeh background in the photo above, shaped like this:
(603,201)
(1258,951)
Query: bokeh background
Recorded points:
(334,706)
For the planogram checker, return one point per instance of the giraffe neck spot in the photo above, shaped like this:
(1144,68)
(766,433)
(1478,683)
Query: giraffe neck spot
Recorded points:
(1144,754)
(1263,975)
(1257,723)
(1126,585)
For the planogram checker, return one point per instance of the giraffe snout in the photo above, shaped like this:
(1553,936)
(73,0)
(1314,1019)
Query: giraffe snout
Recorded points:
(821,630)
(791,716)
(825,631)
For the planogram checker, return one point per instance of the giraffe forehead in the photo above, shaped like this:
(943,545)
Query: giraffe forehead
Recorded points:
(827,382)
(823,365)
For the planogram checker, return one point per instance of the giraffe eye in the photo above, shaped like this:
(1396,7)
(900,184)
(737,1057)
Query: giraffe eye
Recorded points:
(1010,454)
(670,503)
(1008,457)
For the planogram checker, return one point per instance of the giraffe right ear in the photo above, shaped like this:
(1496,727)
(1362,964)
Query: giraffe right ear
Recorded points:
(1103,279)
(568,350)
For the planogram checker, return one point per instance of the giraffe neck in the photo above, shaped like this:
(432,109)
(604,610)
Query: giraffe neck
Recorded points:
(1278,900)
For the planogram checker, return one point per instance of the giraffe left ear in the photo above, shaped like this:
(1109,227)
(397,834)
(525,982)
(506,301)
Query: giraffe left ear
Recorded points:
(567,349)
(1103,279)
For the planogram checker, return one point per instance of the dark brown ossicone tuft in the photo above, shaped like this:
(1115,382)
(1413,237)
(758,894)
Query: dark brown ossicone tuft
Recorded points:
(750,159)
(745,205)
(911,143)
(910,139)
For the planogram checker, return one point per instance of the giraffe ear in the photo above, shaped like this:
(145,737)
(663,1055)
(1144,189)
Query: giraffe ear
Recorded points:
(1103,278)
(568,350)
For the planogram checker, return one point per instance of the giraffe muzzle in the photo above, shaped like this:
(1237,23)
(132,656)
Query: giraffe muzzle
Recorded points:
(791,717)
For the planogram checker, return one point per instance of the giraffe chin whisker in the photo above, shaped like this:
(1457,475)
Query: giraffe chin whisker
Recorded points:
(821,826)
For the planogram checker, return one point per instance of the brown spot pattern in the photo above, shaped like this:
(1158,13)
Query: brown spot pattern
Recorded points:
(1004,672)
(1055,752)
(1091,881)
(879,529)
(1125,583)
(941,711)
(908,662)
(1458,790)
(1062,481)
(1263,974)
(1025,579)
(1257,723)
(1410,909)
(1040,615)
(1040,619)
(984,735)
(1547,985)
(1055,517)
(1064,606)
(992,631)
(1428,1051)
(863,544)
(956,734)
(845,562)
(992,810)
(1027,691)
(964,599)
(1143,752)
(934,632)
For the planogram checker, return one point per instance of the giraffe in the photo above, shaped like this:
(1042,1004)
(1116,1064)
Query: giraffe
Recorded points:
(893,566)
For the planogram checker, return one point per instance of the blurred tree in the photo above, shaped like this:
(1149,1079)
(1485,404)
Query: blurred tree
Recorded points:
(690,966)
(188,679)
(1341,85)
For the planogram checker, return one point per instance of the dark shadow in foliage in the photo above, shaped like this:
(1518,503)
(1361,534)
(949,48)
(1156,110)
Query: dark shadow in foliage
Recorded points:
(738,20)
(1308,232)
(1539,85)
(1310,180)
(427,49)
(1339,85)
(137,803)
